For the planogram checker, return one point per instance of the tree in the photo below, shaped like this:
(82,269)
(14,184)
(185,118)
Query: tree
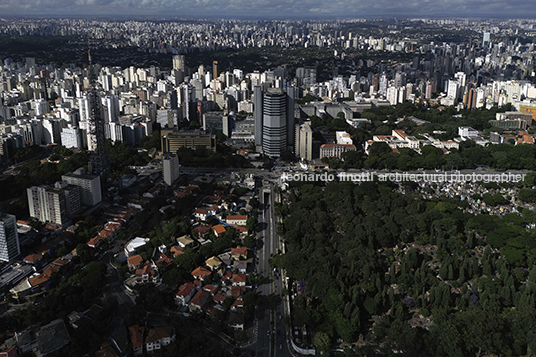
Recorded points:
(527,195)
(251,224)
(322,342)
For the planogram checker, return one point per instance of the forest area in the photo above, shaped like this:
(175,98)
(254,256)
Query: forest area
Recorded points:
(409,276)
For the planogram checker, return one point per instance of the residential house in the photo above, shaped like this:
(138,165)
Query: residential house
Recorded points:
(237,220)
(241,230)
(199,301)
(238,291)
(185,293)
(176,251)
(159,337)
(33,258)
(134,262)
(211,289)
(236,320)
(213,263)
(186,241)
(202,230)
(52,338)
(136,338)
(239,279)
(240,266)
(219,230)
(147,274)
(201,273)
(239,253)
(203,213)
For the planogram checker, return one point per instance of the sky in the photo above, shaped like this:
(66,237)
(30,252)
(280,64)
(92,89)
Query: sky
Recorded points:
(276,9)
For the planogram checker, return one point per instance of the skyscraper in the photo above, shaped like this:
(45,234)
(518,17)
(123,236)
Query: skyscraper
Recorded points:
(486,39)
(214,69)
(178,62)
(274,122)
(9,238)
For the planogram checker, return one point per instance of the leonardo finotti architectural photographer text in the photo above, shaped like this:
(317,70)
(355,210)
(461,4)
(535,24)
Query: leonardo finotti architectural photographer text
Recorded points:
(365,176)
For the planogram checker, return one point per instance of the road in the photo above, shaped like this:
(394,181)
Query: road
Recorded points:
(271,339)
(114,286)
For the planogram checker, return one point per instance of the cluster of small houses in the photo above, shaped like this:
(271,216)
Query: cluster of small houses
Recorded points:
(199,296)
(196,296)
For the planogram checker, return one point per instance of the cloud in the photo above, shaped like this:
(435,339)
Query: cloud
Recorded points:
(273,8)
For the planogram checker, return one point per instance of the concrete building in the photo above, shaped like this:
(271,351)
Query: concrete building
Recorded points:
(335,150)
(170,165)
(90,186)
(304,141)
(55,205)
(213,121)
(70,138)
(173,139)
(9,238)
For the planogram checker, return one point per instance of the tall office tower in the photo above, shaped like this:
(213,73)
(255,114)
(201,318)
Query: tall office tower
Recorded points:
(170,165)
(178,62)
(112,107)
(257,115)
(486,39)
(304,141)
(9,238)
(54,205)
(215,73)
(274,122)
(90,186)
(201,72)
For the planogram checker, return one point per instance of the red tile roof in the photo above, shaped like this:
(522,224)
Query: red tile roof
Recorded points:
(185,289)
(200,273)
(136,335)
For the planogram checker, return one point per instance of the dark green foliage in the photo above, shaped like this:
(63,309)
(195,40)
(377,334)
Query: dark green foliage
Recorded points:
(347,244)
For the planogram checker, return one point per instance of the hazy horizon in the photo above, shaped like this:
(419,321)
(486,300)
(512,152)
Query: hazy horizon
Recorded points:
(268,9)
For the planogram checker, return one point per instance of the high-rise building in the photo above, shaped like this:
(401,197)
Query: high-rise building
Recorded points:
(304,141)
(170,165)
(70,138)
(274,120)
(215,73)
(83,107)
(178,62)
(486,39)
(55,204)
(112,108)
(90,186)
(9,238)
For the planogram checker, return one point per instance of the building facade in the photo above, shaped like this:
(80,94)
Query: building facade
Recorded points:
(9,238)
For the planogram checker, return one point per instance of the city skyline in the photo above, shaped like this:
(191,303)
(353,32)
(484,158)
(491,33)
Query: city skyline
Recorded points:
(263,9)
